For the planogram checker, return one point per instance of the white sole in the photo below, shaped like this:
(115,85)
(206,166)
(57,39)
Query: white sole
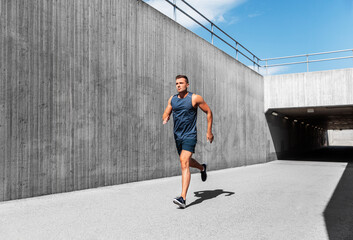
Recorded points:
(178,203)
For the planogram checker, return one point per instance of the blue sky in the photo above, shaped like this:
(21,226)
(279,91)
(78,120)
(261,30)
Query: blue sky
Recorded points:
(277,28)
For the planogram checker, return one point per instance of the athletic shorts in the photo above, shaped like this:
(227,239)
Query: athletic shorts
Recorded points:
(186,144)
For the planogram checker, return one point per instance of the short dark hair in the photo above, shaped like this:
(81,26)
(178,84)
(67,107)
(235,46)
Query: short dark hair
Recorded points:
(182,76)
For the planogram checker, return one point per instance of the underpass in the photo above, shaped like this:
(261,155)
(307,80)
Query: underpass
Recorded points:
(301,108)
(306,113)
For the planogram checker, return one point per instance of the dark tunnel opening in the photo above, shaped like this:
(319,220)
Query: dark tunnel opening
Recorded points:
(307,133)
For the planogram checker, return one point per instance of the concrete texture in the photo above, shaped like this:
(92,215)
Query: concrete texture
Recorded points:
(323,88)
(277,200)
(83,86)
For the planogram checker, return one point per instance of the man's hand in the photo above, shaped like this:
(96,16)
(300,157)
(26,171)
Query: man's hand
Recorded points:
(166,119)
(167,111)
(209,137)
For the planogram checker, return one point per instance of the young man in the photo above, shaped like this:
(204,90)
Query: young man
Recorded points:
(184,107)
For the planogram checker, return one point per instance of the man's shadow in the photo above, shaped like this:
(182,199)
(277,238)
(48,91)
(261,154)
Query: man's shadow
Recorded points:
(208,194)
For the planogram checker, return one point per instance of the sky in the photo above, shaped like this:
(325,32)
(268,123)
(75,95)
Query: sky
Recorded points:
(276,28)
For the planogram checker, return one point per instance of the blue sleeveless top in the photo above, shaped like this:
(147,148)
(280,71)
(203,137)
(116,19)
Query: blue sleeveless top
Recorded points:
(184,116)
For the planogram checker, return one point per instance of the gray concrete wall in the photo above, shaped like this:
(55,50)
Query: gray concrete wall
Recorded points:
(324,88)
(83,88)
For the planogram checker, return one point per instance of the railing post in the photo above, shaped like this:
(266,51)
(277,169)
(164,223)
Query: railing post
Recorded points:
(212,33)
(266,68)
(253,60)
(174,1)
(307,63)
(236,49)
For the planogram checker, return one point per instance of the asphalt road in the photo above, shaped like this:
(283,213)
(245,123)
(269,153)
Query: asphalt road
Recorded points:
(276,200)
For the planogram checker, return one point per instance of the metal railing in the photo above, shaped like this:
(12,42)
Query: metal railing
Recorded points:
(234,44)
(307,61)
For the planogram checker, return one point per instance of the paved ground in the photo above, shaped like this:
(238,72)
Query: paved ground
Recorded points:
(276,200)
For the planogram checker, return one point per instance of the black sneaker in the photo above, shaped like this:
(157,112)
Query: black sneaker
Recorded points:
(180,202)
(203,173)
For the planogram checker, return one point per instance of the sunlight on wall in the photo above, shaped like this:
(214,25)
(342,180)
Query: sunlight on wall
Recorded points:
(340,138)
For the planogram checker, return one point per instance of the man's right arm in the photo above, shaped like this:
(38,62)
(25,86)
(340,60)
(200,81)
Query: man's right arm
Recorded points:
(167,111)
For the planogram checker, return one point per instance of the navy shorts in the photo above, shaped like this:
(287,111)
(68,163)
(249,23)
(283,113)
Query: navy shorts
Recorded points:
(186,144)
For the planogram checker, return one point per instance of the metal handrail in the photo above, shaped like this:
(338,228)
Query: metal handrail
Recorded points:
(219,28)
(310,61)
(307,58)
(304,55)
(255,59)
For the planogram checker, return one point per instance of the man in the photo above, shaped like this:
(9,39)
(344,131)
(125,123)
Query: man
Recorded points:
(184,107)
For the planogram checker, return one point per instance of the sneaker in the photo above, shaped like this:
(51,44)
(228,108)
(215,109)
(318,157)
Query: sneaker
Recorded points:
(180,202)
(203,173)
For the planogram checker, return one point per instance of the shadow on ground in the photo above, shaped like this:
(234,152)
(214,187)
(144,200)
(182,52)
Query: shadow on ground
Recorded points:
(208,194)
(338,213)
(339,210)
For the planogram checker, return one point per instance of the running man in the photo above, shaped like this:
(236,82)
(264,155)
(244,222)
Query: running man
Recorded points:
(184,107)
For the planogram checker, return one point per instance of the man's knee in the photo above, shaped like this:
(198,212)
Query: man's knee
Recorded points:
(184,160)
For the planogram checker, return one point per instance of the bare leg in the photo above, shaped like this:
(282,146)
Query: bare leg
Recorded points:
(195,164)
(185,157)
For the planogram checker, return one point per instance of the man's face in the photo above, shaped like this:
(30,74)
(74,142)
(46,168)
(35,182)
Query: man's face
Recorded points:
(181,85)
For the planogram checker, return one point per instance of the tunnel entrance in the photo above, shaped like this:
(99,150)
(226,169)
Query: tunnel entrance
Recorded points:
(312,133)
(328,118)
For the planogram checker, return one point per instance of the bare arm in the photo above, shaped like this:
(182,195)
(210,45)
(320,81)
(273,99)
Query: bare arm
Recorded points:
(167,111)
(200,102)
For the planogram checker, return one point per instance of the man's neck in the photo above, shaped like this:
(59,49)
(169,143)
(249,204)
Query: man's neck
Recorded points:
(183,94)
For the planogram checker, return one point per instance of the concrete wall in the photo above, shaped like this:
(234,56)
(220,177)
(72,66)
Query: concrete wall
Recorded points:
(83,88)
(324,88)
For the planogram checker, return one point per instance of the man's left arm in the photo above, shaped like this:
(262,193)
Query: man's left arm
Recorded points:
(200,102)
